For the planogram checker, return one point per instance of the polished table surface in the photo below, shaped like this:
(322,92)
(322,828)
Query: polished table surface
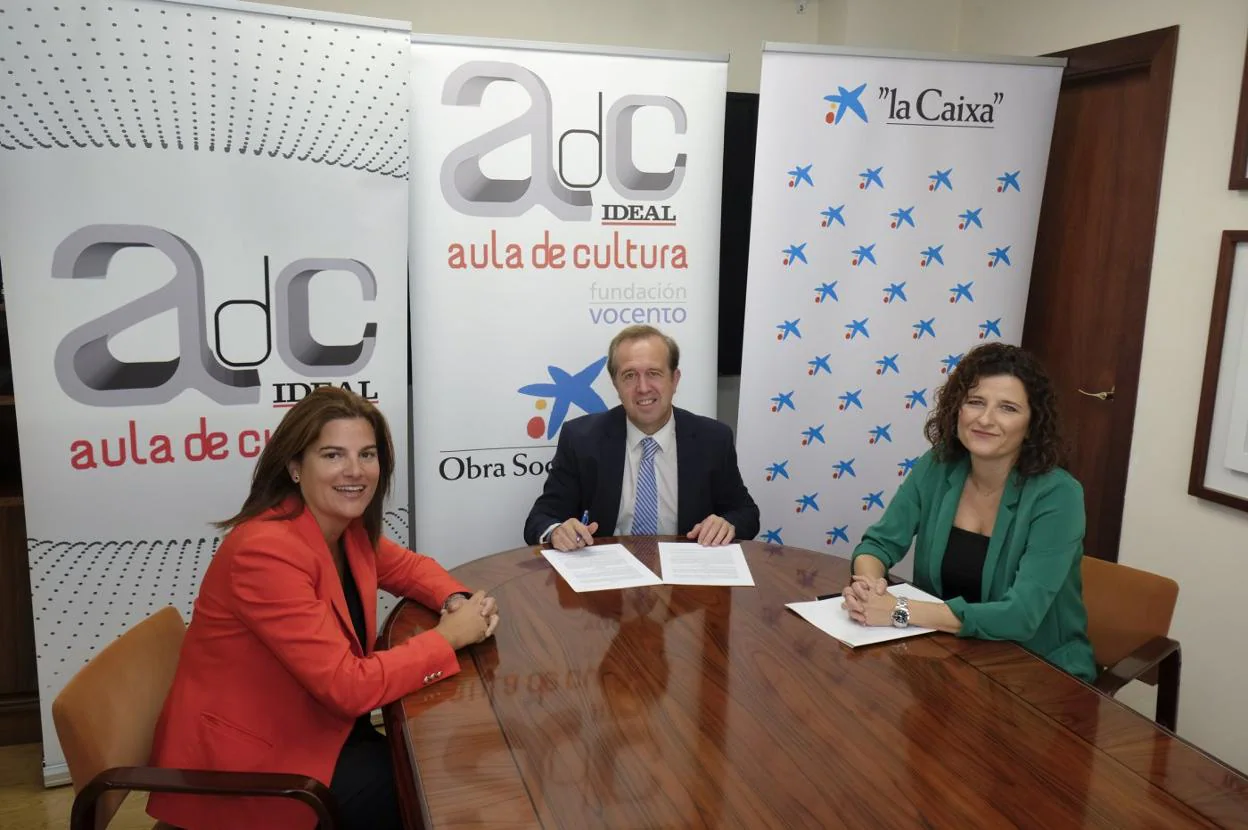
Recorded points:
(690,707)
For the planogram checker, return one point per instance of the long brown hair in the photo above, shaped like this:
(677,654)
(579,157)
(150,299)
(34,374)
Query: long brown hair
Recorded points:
(1043,447)
(271,484)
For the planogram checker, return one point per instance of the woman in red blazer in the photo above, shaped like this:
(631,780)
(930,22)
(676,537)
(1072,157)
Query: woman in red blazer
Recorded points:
(278,672)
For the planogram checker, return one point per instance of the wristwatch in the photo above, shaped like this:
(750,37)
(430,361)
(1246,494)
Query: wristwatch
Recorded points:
(446,604)
(901,614)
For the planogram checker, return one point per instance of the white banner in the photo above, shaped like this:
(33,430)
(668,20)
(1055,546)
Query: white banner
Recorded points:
(895,207)
(205,215)
(559,194)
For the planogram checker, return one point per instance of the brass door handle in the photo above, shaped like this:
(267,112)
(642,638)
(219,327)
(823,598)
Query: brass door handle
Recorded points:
(1100,396)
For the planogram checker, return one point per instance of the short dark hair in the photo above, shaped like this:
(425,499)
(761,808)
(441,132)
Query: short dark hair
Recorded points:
(1043,448)
(271,484)
(641,332)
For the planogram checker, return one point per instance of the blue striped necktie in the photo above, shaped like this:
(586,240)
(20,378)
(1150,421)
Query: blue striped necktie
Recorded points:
(646,510)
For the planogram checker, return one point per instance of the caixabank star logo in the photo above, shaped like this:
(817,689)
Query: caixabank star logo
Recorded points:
(563,391)
(846,102)
(553,400)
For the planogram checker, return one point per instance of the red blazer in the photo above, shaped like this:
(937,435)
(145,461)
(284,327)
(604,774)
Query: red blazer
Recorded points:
(271,675)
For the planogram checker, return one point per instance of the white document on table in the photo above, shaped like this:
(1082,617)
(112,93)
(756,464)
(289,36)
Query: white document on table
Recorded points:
(828,616)
(600,568)
(688,563)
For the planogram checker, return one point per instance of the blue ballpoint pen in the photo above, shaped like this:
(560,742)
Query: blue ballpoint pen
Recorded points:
(585,521)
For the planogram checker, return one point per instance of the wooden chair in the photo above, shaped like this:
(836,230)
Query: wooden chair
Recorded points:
(105,718)
(1129,613)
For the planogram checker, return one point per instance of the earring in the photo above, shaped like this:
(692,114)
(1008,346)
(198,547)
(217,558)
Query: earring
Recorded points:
(296,478)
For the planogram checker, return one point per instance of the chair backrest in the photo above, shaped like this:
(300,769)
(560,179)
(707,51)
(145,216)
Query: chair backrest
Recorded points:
(106,715)
(1127,607)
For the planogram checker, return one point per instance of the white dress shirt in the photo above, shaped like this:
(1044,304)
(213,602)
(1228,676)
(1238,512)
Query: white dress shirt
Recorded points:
(664,473)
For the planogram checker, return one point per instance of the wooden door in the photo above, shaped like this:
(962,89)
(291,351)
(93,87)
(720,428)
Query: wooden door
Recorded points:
(1094,250)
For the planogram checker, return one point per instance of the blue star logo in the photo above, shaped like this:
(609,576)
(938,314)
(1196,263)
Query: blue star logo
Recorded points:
(801,173)
(905,465)
(1008,180)
(780,469)
(887,363)
(807,502)
(819,364)
(903,216)
(940,179)
(950,363)
(917,398)
(795,253)
(871,176)
(849,399)
(789,327)
(999,255)
(772,537)
(871,500)
(832,214)
(827,290)
(924,327)
(895,291)
(864,253)
(961,291)
(989,328)
(970,217)
(845,100)
(857,327)
(812,434)
(781,400)
(844,467)
(568,389)
(932,254)
(838,534)
(880,433)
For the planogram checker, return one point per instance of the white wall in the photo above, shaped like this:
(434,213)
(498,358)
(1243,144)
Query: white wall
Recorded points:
(738,27)
(1165,530)
(921,25)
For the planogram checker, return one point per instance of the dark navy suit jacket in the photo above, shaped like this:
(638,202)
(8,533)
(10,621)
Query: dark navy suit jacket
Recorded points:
(588,470)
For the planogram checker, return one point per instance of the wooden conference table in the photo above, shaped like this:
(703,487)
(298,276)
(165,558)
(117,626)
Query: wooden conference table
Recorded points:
(690,707)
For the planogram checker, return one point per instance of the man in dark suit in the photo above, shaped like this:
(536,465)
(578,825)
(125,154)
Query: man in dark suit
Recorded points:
(644,467)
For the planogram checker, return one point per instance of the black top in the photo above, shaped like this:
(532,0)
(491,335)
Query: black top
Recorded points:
(962,571)
(363,727)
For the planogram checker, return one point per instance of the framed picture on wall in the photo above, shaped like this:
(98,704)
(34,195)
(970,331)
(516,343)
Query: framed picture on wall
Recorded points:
(1220,453)
(1239,150)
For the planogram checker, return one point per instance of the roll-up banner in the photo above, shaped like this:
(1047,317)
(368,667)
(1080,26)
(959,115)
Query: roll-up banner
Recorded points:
(204,217)
(560,193)
(896,199)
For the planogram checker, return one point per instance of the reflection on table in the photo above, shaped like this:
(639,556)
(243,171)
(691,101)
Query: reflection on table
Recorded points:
(683,707)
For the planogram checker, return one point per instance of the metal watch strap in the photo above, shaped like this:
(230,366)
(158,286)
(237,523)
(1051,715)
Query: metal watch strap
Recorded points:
(446,604)
(901,613)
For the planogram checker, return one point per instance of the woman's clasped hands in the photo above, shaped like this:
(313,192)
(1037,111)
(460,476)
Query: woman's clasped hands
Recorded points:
(868,601)
(468,621)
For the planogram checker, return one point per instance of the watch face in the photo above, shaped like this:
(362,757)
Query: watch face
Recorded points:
(901,617)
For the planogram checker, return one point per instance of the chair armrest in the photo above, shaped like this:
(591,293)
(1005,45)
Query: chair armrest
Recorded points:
(205,782)
(1135,664)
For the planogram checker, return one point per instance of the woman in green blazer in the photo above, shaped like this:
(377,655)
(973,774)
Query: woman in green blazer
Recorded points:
(997,526)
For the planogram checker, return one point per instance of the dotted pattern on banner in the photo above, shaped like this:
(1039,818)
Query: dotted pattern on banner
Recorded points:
(90,593)
(193,79)
(876,270)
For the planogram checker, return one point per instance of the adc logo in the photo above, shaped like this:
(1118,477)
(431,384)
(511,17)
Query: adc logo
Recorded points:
(89,373)
(468,190)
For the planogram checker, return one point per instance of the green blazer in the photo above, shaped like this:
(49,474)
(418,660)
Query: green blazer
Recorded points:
(1032,587)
